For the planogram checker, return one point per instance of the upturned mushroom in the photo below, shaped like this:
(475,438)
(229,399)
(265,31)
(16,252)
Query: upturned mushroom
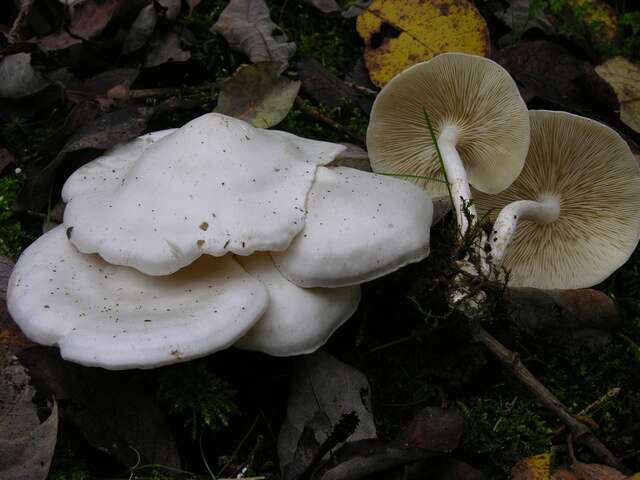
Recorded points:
(478,117)
(571,218)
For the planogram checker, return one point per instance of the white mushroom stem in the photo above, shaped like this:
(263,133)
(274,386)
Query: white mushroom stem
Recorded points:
(457,177)
(547,210)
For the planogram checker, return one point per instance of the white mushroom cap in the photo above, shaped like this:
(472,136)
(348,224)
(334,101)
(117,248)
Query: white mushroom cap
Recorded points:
(360,226)
(590,172)
(107,171)
(298,320)
(117,318)
(214,186)
(472,97)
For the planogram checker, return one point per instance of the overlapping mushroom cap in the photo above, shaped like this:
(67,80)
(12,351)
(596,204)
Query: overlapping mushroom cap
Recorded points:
(360,226)
(116,317)
(591,173)
(144,203)
(214,186)
(474,98)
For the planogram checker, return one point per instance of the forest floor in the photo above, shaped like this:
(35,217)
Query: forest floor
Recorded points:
(144,66)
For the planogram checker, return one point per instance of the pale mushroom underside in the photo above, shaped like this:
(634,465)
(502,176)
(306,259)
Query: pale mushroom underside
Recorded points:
(590,170)
(474,96)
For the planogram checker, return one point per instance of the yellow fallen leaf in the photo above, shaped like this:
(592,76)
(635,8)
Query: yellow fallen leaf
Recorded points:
(400,33)
(624,78)
(532,468)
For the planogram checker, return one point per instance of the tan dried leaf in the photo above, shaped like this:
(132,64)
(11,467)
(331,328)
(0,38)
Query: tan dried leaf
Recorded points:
(624,78)
(247,26)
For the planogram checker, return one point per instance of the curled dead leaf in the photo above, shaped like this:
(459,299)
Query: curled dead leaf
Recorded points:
(593,471)
(247,26)
(258,94)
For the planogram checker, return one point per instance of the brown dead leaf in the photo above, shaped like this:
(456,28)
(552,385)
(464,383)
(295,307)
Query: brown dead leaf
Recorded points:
(18,78)
(192,4)
(26,444)
(247,26)
(172,8)
(257,94)
(141,30)
(6,158)
(93,137)
(517,16)
(89,20)
(624,77)
(593,471)
(166,48)
(325,6)
(323,390)
(113,410)
(24,7)
(548,71)
(584,315)
(435,429)
(324,87)
(401,33)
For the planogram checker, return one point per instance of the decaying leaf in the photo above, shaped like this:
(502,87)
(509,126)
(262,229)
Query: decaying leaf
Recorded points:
(325,6)
(400,33)
(6,267)
(247,26)
(89,20)
(141,29)
(166,48)
(172,8)
(18,78)
(532,468)
(434,429)
(100,134)
(624,78)
(519,17)
(586,316)
(113,410)
(323,390)
(324,87)
(548,71)
(192,5)
(26,444)
(257,94)
(593,471)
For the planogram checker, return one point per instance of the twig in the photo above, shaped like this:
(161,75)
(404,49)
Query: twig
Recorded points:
(579,431)
(361,89)
(321,117)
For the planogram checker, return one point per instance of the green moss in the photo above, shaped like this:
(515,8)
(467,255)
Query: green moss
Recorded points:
(504,430)
(13,238)
(299,123)
(76,471)
(199,396)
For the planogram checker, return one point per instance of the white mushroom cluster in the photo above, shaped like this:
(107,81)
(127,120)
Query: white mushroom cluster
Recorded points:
(184,242)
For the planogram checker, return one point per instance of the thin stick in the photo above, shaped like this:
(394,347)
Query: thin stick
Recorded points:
(322,118)
(361,89)
(581,432)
